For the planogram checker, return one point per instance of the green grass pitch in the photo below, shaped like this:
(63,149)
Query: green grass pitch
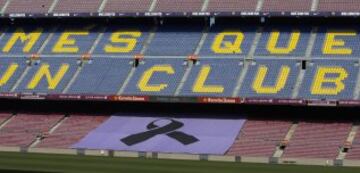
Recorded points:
(43,163)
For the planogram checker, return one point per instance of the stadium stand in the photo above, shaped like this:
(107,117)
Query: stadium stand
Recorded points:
(204,57)
(278,49)
(228,40)
(288,5)
(271,78)
(14,65)
(339,5)
(127,6)
(354,151)
(81,41)
(231,5)
(24,128)
(11,43)
(28,6)
(259,138)
(187,38)
(168,75)
(317,140)
(4,117)
(71,130)
(105,81)
(37,78)
(283,41)
(179,6)
(321,86)
(166,6)
(220,40)
(134,35)
(80,6)
(2,3)
(213,77)
(324,48)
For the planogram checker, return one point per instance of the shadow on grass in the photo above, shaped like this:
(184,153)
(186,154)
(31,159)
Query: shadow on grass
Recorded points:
(22,171)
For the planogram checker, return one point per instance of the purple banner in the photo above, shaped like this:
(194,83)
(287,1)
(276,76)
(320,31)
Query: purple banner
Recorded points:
(168,135)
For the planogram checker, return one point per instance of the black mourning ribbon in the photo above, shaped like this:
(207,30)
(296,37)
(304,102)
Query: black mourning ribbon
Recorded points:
(154,130)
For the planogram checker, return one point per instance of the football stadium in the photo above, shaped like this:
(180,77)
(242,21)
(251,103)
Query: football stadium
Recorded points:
(179,86)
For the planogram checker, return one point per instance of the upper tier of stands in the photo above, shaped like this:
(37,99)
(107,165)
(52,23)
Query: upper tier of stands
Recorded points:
(129,6)
(276,61)
(169,39)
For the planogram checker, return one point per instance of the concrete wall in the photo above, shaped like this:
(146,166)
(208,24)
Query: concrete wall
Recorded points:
(306,161)
(172,156)
(354,163)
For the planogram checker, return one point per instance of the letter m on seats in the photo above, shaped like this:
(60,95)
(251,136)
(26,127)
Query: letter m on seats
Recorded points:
(52,79)
(28,39)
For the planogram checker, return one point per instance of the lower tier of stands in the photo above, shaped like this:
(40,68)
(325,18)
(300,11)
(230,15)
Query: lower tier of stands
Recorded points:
(4,117)
(23,129)
(71,130)
(257,137)
(314,139)
(355,147)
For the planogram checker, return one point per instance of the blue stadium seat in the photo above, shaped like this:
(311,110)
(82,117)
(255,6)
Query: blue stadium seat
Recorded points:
(54,65)
(23,45)
(271,86)
(79,40)
(102,76)
(167,76)
(228,46)
(346,42)
(175,40)
(132,34)
(221,80)
(291,41)
(19,64)
(326,88)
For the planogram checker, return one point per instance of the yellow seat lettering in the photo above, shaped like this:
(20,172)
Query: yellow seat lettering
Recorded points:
(321,78)
(118,37)
(44,71)
(143,83)
(199,85)
(66,43)
(272,45)
(221,46)
(8,74)
(28,39)
(336,46)
(258,84)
